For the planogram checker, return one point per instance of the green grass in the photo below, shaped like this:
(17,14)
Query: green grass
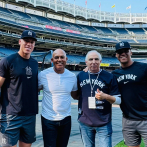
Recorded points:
(121,144)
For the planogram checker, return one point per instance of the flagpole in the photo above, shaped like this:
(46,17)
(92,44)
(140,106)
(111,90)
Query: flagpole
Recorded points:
(100,12)
(130,15)
(115,13)
(74,8)
(86,9)
(55,5)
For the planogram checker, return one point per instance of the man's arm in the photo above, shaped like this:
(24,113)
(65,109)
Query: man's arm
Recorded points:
(75,95)
(40,87)
(2,80)
(103,96)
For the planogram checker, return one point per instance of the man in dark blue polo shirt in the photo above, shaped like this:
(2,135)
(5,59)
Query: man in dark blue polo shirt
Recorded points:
(19,94)
(98,89)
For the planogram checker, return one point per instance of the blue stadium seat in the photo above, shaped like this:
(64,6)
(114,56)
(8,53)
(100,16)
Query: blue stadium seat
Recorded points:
(40,19)
(61,23)
(89,28)
(4,10)
(103,30)
(108,39)
(120,30)
(142,41)
(111,60)
(136,30)
(72,25)
(128,40)
(7,51)
(20,14)
(8,21)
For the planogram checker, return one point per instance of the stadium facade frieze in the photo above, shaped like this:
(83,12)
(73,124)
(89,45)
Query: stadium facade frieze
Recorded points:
(76,11)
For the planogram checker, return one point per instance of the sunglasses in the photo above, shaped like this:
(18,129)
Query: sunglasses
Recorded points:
(122,51)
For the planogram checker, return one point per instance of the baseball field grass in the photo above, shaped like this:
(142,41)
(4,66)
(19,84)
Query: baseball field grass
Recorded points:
(121,144)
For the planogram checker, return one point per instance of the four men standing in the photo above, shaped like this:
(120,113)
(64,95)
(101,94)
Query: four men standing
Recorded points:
(97,90)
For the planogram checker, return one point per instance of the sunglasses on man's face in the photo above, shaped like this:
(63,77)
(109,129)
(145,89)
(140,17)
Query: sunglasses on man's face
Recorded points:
(122,51)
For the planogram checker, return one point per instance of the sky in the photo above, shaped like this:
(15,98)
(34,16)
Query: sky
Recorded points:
(137,6)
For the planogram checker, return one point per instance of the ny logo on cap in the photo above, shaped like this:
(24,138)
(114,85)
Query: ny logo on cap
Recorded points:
(30,33)
(121,44)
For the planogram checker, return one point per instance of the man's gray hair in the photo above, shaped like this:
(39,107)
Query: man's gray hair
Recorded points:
(93,51)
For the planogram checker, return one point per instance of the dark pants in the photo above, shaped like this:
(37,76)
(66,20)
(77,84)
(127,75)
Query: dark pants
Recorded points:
(56,133)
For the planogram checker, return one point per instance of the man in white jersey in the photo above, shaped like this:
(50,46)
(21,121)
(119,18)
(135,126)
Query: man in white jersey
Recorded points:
(58,85)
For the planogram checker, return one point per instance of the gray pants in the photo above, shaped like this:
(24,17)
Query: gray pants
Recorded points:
(133,131)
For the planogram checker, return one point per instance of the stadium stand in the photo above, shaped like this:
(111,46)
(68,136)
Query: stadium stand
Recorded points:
(74,26)
(74,36)
(4,10)
(108,39)
(72,59)
(8,21)
(103,30)
(42,20)
(136,30)
(66,25)
(129,40)
(142,41)
(61,23)
(6,52)
(20,14)
(120,31)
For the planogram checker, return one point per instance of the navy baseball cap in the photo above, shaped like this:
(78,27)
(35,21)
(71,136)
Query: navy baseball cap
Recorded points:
(122,45)
(28,34)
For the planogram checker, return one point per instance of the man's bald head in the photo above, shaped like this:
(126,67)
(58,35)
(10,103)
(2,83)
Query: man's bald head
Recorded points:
(58,51)
(59,60)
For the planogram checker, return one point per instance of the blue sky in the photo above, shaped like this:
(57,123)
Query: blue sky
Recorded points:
(137,6)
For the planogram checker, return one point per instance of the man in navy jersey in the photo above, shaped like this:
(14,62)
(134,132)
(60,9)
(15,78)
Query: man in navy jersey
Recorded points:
(132,82)
(19,94)
(98,89)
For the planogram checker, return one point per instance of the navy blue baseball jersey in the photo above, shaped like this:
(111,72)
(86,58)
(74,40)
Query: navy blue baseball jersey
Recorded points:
(132,82)
(106,83)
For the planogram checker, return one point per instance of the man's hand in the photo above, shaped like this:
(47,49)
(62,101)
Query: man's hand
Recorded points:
(2,80)
(100,95)
(103,96)
(40,88)
(85,69)
(75,95)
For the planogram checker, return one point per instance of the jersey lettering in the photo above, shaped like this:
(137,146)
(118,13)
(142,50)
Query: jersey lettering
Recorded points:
(120,78)
(93,81)
(130,76)
(127,76)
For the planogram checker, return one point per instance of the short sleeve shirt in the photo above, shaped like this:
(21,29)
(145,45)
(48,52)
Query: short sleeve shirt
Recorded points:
(57,88)
(106,83)
(132,82)
(19,93)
